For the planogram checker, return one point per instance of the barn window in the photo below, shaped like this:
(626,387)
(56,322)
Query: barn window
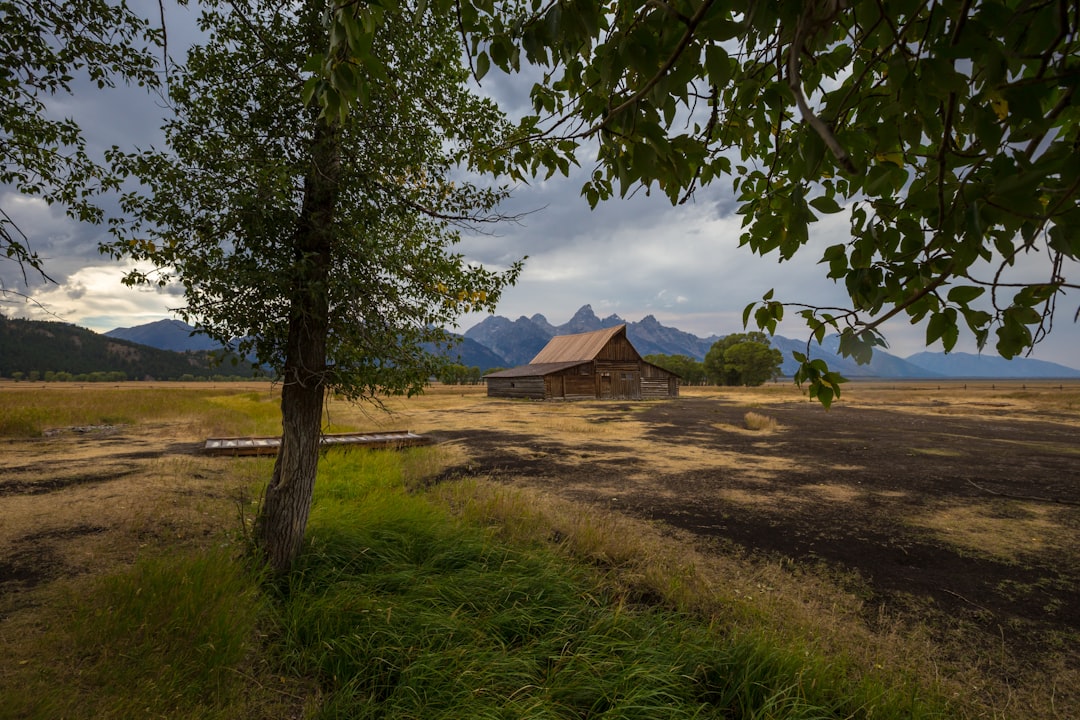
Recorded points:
(512,385)
(583,370)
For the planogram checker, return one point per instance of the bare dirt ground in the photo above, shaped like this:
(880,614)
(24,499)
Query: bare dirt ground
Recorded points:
(87,499)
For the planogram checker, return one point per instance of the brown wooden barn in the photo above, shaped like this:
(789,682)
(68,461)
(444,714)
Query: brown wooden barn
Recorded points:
(586,366)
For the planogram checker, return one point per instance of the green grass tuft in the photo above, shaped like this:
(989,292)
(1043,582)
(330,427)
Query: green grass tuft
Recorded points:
(22,422)
(167,638)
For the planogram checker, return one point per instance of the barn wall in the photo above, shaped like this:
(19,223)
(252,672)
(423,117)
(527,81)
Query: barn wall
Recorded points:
(619,380)
(617,350)
(658,388)
(657,382)
(531,386)
(572,384)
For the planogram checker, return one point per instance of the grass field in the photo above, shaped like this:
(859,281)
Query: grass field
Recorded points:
(495,575)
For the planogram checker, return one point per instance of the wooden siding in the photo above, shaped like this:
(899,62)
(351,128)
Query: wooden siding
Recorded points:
(656,382)
(618,349)
(519,387)
(570,385)
(659,388)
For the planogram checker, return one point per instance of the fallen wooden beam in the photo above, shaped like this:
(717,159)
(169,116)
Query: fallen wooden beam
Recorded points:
(269,445)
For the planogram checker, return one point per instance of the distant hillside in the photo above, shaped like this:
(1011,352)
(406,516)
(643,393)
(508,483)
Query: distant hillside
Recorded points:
(32,346)
(472,354)
(165,335)
(517,341)
(883,364)
(179,336)
(967,365)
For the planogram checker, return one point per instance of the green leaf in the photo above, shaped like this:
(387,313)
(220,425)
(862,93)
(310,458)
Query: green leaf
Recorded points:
(825,204)
(965,294)
(483,64)
(718,65)
(746,313)
(314,63)
(942,325)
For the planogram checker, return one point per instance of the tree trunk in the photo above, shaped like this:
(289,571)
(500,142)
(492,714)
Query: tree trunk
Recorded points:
(287,502)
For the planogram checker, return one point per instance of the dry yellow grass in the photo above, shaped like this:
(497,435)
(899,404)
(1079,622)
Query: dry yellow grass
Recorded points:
(760,423)
(1005,529)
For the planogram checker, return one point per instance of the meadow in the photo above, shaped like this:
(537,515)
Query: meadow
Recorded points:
(734,553)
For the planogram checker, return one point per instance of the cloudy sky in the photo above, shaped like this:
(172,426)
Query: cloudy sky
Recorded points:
(633,257)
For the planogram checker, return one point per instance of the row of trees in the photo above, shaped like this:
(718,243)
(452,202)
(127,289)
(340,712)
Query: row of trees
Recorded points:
(738,359)
(53,376)
(117,376)
(313,178)
(458,374)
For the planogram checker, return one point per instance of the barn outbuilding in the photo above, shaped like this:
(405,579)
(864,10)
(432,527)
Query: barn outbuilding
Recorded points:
(593,365)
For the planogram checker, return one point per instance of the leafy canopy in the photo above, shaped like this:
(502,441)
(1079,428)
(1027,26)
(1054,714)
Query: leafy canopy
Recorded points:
(945,132)
(223,210)
(742,359)
(46,48)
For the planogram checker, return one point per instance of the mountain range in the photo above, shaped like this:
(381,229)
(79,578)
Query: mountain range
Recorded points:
(498,341)
(518,341)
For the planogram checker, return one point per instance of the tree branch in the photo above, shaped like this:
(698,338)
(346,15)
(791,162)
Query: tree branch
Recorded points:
(802,32)
(666,67)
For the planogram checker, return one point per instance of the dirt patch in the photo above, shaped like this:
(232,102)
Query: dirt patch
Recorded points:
(36,557)
(86,499)
(876,491)
(60,481)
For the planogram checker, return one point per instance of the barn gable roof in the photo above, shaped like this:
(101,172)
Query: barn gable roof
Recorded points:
(534,369)
(581,347)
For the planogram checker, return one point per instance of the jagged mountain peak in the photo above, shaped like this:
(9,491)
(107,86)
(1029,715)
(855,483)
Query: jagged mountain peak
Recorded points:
(542,322)
(584,320)
(612,320)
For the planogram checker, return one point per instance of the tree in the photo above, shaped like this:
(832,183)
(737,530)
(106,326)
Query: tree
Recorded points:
(43,47)
(687,368)
(321,238)
(946,132)
(743,359)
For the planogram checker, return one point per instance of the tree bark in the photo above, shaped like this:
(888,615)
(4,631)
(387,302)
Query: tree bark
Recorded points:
(286,504)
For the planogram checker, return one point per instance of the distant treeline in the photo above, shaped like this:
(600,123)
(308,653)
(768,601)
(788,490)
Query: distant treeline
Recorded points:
(51,351)
(457,374)
(117,376)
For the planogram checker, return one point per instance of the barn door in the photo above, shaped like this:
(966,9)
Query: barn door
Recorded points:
(604,389)
(628,385)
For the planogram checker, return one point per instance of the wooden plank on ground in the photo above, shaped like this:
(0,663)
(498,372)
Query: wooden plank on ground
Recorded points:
(269,445)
